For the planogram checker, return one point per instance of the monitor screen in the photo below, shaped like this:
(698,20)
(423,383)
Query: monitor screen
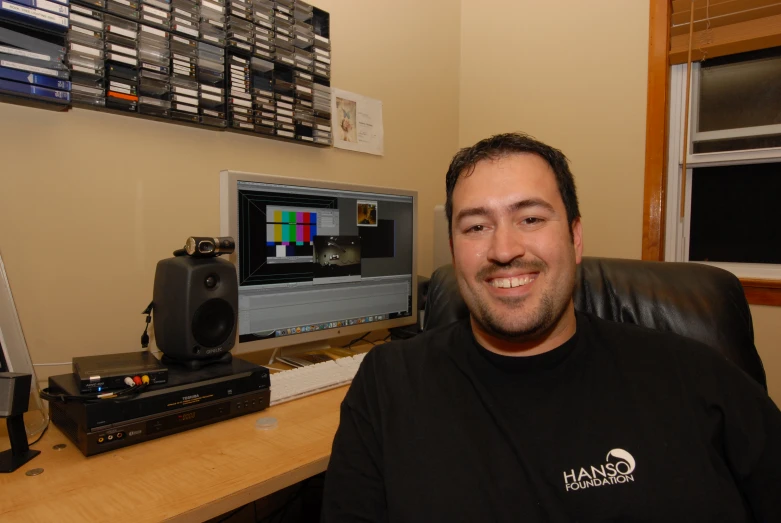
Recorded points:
(318,259)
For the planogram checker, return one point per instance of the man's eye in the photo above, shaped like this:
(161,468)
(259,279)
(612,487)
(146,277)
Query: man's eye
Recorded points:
(475,228)
(532,221)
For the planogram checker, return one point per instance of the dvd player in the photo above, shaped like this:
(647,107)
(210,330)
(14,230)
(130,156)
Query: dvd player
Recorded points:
(190,399)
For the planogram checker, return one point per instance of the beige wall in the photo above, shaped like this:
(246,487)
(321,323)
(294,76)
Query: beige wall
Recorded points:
(574,75)
(767,336)
(90,201)
(552,69)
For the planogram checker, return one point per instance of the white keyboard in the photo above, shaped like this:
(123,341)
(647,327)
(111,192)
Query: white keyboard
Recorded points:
(304,381)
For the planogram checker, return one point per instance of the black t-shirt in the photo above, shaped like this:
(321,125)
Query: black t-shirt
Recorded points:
(620,423)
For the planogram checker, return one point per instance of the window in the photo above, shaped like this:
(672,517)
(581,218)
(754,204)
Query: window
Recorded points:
(732,184)
(738,102)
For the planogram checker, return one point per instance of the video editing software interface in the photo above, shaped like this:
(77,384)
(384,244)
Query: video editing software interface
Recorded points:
(312,259)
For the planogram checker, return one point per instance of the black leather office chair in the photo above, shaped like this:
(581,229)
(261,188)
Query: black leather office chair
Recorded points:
(694,300)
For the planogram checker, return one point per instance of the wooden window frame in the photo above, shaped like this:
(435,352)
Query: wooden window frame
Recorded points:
(758,292)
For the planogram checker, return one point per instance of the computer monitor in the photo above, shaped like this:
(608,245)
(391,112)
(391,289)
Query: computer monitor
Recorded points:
(318,260)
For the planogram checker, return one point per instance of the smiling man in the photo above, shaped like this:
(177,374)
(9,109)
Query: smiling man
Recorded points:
(515,246)
(529,411)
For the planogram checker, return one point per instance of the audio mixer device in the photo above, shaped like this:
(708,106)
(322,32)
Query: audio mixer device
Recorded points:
(190,399)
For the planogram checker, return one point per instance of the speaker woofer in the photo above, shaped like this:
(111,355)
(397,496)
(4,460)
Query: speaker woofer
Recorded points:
(213,322)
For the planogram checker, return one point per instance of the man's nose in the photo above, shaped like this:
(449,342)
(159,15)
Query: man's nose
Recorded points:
(506,245)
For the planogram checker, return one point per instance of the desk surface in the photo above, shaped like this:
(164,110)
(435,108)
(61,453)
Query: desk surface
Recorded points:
(191,476)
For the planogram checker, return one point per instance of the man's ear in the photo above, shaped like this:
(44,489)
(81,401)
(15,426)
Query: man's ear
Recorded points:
(577,239)
(452,257)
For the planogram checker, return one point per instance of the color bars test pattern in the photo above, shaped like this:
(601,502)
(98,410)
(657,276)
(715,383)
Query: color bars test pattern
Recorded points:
(288,229)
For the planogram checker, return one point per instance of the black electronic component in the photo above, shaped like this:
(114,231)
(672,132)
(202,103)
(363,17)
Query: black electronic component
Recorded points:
(107,372)
(190,399)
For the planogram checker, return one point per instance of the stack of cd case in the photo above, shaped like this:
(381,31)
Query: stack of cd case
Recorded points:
(156,13)
(263,30)
(212,26)
(32,65)
(154,71)
(321,130)
(321,22)
(128,9)
(304,115)
(239,96)
(284,99)
(86,56)
(197,82)
(186,17)
(211,85)
(240,30)
(264,110)
(122,49)
(184,79)
(284,50)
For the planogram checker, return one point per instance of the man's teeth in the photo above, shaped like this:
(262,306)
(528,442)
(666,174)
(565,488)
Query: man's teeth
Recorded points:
(508,283)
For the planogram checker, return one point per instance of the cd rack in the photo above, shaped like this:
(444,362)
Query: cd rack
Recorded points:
(252,66)
(275,85)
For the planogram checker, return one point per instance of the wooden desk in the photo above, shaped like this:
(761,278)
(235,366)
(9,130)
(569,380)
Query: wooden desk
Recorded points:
(191,476)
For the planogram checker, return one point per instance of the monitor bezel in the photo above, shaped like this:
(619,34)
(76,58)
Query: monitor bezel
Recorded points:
(229,181)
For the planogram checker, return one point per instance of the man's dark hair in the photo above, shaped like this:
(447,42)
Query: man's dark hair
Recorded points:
(502,145)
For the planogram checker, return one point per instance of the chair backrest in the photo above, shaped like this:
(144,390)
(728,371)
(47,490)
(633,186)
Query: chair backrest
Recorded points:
(694,300)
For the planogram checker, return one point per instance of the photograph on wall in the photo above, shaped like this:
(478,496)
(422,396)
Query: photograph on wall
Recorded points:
(367,213)
(345,110)
(356,122)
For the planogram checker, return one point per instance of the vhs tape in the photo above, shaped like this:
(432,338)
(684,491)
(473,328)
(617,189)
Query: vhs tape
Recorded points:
(35,79)
(34,91)
(30,43)
(46,5)
(23,64)
(33,17)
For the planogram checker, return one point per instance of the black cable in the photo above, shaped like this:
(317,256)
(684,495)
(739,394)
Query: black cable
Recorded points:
(356,340)
(145,335)
(130,392)
(40,436)
(48,395)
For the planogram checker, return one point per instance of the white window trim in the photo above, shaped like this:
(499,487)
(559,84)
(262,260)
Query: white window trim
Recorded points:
(742,132)
(677,229)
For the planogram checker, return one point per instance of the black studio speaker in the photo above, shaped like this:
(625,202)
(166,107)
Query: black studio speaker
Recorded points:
(14,398)
(195,308)
(14,393)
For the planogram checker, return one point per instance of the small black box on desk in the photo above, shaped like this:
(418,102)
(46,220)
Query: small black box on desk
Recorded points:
(108,371)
